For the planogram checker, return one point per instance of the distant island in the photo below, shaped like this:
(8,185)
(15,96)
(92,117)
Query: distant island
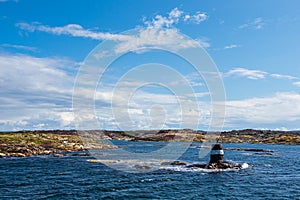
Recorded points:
(62,142)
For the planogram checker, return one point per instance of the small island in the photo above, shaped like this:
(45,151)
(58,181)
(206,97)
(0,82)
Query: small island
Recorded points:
(61,142)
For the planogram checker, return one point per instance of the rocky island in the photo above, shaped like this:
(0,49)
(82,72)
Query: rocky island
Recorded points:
(58,142)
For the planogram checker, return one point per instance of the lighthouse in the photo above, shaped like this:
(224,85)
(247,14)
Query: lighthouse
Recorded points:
(216,154)
(216,160)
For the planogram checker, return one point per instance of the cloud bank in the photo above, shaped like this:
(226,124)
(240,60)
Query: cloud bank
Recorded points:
(35,92)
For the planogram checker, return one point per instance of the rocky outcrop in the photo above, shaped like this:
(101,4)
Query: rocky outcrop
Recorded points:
(260,137)
(235,136)
(23,144)
(216,161)
(217,165)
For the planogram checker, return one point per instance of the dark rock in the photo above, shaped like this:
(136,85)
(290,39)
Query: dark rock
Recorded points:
(223,165)
(178,163)
(197,165)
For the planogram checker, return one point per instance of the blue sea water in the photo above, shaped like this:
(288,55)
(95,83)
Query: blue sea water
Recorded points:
(269,176)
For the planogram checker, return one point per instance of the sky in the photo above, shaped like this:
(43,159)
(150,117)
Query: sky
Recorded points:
(45,47)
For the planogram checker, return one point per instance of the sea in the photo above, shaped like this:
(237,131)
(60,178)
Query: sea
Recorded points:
(265,175)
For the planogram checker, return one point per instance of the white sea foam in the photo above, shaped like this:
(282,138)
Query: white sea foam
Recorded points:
(197,169)
(158,164)
(245,165)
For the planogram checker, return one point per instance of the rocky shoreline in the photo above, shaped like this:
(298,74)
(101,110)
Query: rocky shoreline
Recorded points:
(234,136)
(57,143)
(63,142)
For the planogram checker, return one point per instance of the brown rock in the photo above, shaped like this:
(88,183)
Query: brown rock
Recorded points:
(47,152)
(178,163)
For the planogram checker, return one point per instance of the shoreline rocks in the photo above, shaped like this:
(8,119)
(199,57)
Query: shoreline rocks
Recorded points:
(235,136)
(27,144)
(45,142)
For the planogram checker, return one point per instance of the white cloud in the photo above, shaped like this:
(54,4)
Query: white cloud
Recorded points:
(250,74)
(197,18)
(22,47)
(231,46)
(281,76)
(159,32)
(74,30)
(256,24)
(148,110)
(156,38)
(160,21)
(152,36)
(187,17)
(276,110)
(174,17)
(257,74)
(297,83)
(40,98)
(34,91)
(139,105)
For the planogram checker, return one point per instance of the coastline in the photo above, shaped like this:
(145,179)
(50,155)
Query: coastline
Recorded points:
(60,142)
(55,142)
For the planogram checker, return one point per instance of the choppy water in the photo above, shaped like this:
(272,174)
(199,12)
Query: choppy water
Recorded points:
(270,176)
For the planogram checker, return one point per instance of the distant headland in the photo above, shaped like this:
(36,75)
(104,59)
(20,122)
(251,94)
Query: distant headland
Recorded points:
(63,142)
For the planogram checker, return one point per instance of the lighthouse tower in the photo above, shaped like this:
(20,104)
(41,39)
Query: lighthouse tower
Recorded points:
(216,154)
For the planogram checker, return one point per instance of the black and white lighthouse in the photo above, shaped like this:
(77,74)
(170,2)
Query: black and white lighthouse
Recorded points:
(216,160)
(216,154)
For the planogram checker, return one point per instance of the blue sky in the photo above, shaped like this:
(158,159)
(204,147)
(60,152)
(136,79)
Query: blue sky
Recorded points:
(254,44)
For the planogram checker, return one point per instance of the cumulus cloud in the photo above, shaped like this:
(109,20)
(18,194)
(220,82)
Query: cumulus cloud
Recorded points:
(160,21)
(34,91)
(42,93)
(131,106)
(159,32)
(156,38)
(40,98)
(174,17)
(277,109)
(196,18)
(147,109)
